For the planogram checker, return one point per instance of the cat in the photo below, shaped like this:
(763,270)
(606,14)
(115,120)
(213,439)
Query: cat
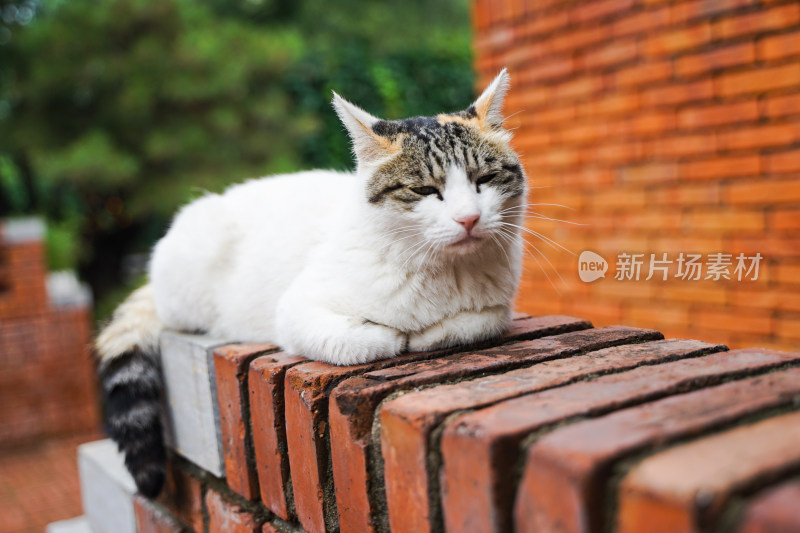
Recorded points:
(418,249)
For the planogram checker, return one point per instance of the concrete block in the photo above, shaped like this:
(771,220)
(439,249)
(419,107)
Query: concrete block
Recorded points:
(107,488)
(192,425)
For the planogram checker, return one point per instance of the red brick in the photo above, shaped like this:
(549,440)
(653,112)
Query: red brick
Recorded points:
(543,24)
(150,518)
(764,19)
(408,421)
(773,134)
(641,22)
(227,517)
(754,322)
(480,450)
(269,430)
(727,221)
(183,496)
(569,41)
(683,145)
(600,8)
(779,46)
(683,11)
(617,51)
(565,471)
(307,387)
(672,95)
(783,105)
(722,167)
(652,122)
(553,68)
(608,104)
(649,173)
(762,191)
(729,56)
(230,370)
(663,492)
(400,494)
(758,80)
(787,274)
(677,40)
(773,510)
(782,162)
(788,327)
(685,195)
(785,220)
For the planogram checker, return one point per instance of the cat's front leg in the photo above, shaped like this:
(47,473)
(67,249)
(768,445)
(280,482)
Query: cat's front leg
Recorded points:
(323,335)
(463,328)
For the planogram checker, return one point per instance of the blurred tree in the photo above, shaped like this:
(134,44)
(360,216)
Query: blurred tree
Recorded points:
(114,113)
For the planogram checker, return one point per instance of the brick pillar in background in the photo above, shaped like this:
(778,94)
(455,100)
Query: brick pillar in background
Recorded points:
(668,127)
(46,373)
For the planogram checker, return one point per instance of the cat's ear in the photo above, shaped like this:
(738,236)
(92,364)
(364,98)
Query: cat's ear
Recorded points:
(489,105)
(367,145)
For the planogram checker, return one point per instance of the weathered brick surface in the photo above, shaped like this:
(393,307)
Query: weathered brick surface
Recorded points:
(454,432)
(150,518)
(773,510)
(653,123)
(227,517)
(481,449)
(307,387)
(183,496)
(565,471)
(685,488)
(230,370)
(408,421)
(269,430)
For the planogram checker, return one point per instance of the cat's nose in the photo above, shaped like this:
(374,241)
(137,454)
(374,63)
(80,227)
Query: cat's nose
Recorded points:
(468,221)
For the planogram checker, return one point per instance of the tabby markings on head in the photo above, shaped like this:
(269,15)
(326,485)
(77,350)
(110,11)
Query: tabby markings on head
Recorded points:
(429,146)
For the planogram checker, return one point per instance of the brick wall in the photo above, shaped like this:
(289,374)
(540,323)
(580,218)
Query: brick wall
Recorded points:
(555,426)
(46,373)
(668,127)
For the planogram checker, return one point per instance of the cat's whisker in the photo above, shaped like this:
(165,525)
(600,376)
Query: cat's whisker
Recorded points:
(548,240)
(500,245)
(544,256)
(541,204)
(410,253)
(534,214)
(404,238)
(513,115)
(538,263)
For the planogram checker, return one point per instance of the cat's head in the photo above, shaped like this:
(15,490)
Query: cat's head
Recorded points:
(451,181)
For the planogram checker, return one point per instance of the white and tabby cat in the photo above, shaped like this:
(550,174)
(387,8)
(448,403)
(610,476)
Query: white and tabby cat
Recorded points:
(416,250)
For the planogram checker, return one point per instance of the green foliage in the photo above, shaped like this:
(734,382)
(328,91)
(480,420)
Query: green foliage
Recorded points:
(114,113)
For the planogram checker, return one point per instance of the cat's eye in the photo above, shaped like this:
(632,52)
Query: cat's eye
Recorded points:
(486,178)
(426,191)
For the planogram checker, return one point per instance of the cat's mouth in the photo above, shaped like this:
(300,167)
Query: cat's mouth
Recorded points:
(466,241)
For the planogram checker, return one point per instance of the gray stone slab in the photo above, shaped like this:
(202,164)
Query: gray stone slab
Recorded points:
(19,230)
(74,525)
(192,426)
(107,488)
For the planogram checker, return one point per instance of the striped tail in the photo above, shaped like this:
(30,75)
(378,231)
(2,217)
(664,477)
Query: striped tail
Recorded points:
(132,388)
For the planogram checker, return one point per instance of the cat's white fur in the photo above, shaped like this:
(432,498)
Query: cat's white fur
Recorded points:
(305,261)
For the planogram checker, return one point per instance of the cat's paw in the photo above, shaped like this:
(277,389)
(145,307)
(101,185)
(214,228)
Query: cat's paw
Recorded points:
(433,338)
(370,342)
